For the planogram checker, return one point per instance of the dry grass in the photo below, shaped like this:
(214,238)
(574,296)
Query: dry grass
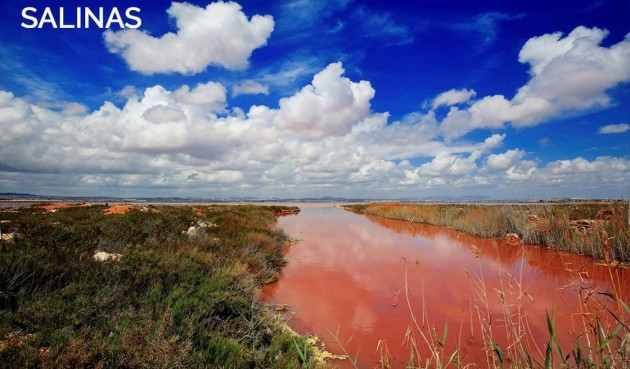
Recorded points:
(600,230)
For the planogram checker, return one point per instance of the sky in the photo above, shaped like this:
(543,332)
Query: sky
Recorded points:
(303,98)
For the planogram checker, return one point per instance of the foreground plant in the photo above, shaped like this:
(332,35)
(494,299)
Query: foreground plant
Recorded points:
(174,298)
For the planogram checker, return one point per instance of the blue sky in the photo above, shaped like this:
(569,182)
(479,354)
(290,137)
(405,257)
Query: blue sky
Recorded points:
(318,98)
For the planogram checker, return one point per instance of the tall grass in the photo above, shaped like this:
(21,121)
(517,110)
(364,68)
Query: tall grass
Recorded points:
(553,225)
(173,300)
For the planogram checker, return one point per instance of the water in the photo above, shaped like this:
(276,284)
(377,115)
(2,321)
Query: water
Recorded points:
(347,275)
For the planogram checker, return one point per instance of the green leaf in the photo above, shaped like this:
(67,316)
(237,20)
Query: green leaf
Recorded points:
(497,351)
(612,335)
(548,356)
(301,352)
(550,326)
(600,335)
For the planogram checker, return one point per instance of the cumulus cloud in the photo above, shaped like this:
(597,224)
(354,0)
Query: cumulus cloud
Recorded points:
(505,160)
(74,108)
(573,73)
(569,75)
(168,142)
(249,87)
(210,95)
(163,114)
(614,128)
(330,105)
(219,34)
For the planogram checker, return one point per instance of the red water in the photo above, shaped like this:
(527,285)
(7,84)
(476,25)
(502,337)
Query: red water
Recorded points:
(347,275)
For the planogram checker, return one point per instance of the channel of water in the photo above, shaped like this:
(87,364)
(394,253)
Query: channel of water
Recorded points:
(348,273)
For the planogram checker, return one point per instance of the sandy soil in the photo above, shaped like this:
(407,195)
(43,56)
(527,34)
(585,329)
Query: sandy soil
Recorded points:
(119,209)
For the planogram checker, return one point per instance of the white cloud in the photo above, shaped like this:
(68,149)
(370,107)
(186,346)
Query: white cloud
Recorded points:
(541,51)
(172,142)
(505,160)
(614,128)
(330,105)
(249,87)
(568,75)
(219,34)
(210,95)
(575,72)
(163,114)
(523,171)
(453,97)
(610,166)
(74,108)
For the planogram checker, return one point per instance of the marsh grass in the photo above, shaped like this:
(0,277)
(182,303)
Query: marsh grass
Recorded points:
(550,225)
(171,301)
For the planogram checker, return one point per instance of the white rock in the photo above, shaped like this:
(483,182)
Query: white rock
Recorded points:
(104,256)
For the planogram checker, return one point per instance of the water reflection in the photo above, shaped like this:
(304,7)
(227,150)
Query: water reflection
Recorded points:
(348,272)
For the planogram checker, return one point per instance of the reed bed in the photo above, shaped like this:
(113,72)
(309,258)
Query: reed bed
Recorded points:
(597,229)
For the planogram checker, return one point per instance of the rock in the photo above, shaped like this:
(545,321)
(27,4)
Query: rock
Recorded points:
(198,230)
(202,224)
(10,237)
(192,231)
(104,256)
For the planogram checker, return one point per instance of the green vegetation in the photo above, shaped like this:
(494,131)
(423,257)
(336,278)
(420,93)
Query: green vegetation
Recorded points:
(597,229)
(176,297)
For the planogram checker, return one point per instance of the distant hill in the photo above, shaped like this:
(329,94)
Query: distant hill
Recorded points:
(15,195)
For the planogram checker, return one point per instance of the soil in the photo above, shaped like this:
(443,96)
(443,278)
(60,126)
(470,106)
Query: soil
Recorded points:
(61,205)
(119,209)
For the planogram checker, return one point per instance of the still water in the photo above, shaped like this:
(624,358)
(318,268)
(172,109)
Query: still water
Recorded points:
(347,275)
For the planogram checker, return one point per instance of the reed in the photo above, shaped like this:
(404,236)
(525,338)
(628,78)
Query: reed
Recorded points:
(597,229)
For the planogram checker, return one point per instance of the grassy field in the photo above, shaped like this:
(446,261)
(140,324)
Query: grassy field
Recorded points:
(597,229)
(180,289)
